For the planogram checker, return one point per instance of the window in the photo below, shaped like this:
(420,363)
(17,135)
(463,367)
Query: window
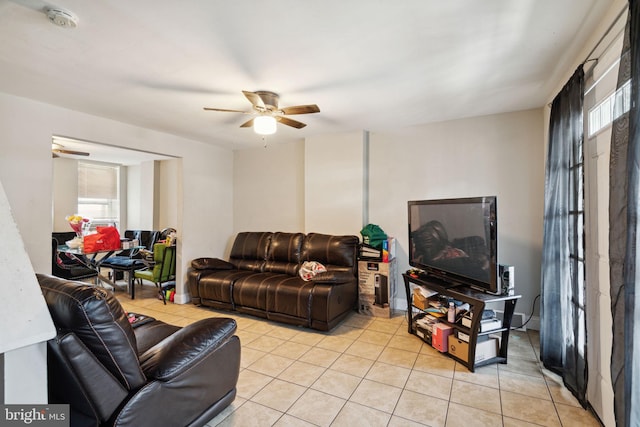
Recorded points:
(98,193)
(610,109)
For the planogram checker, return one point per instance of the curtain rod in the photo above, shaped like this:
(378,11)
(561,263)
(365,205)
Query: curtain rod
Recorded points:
(606,33)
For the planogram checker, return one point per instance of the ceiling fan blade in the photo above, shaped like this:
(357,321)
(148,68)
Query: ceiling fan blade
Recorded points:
(71,152)
(254,99)
(290,122)
(301,109)
(247,124)
(224,110)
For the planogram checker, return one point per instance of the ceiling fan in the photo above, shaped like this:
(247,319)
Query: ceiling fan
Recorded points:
(57,149)
(265,107)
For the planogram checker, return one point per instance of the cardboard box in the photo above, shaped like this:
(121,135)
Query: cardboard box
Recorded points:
(467,319)
(440,337)
(420,301)
(459,348)
(376,288)
(485,350)
(389,249)
(462,336)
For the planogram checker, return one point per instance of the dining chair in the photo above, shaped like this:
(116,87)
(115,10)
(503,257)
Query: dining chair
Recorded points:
(163,270)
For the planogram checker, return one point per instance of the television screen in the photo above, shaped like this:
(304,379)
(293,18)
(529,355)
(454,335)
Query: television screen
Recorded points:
(455,240)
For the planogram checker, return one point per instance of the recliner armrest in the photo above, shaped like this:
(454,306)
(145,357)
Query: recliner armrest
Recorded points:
(333,277)
(211,264)
(185,348)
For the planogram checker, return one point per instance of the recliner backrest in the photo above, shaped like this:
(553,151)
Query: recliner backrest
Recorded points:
(337,253)
(249,250)
(98,320)
(283,255)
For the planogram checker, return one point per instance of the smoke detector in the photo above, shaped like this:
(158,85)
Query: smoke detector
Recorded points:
(62,18)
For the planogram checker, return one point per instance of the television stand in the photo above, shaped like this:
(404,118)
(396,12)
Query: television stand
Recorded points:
(477,301)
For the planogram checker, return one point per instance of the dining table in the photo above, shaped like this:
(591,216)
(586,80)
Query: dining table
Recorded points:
(94,261)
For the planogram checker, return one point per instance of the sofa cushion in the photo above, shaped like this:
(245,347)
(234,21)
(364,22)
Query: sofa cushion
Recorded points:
(250,250)
(251,290)
(217,285)
(290,296)
(96,317)
(331,251)
(284,253)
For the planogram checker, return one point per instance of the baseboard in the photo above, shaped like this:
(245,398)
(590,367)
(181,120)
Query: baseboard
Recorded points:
(181,298)
(517,321)
(534,323)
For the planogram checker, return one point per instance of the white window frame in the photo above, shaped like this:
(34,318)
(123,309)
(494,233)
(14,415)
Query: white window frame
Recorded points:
(603,114)
(111,206)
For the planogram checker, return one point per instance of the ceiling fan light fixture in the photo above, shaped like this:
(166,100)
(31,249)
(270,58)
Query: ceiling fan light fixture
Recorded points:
(264,125)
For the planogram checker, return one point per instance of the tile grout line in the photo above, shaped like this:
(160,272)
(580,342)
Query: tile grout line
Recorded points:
(347,334)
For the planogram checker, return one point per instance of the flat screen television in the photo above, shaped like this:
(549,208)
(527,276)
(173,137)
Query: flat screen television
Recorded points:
(456,241)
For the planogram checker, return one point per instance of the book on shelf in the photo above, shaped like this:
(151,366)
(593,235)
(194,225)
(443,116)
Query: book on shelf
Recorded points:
(369,252)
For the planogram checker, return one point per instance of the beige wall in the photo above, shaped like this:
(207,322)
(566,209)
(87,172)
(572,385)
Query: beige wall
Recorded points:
(269,188)
(334,182)
(65,191)
(309,186)
(26,173)
(500,155)
(169,184)
(134,219)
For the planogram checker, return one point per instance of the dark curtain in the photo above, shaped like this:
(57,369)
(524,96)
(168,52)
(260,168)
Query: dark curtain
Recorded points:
(623,235)
(563,325)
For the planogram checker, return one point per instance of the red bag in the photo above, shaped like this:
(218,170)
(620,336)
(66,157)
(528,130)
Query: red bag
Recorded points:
(106,239)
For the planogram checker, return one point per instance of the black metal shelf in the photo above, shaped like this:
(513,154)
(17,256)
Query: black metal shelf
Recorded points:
(477,301)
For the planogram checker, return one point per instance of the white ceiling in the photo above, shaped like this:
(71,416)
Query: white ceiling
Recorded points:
(368,64)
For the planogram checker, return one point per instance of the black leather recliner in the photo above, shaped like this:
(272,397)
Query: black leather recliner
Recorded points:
(156,374)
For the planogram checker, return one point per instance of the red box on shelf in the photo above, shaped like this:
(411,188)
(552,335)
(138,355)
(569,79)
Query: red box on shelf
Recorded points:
(440,337)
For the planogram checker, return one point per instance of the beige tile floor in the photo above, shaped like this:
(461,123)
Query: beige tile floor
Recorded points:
(371,372)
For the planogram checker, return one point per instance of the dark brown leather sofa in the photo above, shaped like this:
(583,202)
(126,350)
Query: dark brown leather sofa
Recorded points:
(156,374)
(261,278)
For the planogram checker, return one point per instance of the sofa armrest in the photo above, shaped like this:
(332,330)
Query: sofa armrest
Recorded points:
(211,264)
(333,277)
(182,350)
